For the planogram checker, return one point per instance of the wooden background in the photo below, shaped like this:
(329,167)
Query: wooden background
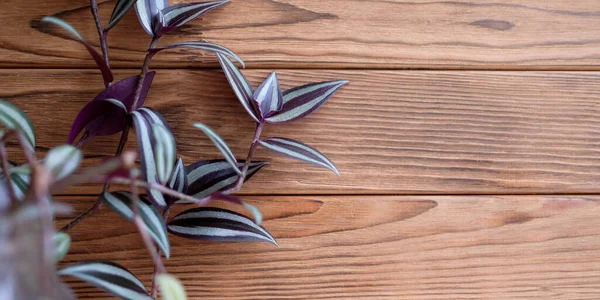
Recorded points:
(467,140)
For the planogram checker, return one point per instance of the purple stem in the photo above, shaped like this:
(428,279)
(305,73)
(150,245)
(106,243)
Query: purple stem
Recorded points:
(101,35)
(240,180)
(98,204)
(4,157)
(145,67)
(158,264)
(154,293)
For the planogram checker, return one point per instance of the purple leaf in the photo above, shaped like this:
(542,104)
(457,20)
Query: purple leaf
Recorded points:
(242,89)
(209,176)
(143,119)
(178,15)
(299,151)
(215,224)
(300,101)
(101,117)
(98,58)
(121,8)
(110,277)
(268,96)
(147,12)
(202,46)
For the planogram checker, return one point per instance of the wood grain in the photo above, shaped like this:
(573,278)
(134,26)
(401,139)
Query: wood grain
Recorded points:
(483,34)
(389,132)
(384,247)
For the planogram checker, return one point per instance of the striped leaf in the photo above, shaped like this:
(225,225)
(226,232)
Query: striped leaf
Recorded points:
(178,15)
(98,58)
(103,116)
(206,46)
(62,242)
(147,12)
(209,176)
(300,101)
(237,200)
(20,180)
(121,8)
(170,287)
(240,85)
(110,277)
(268,96)
(165,152)
(299,151)
(63,160)
(14,118)
(216,224)
(221,145)
(121,202)
(143,119)
(178,180)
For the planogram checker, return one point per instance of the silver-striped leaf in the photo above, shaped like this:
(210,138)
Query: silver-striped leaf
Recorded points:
(268,96)
(121,8)
(143,118)
(170,287)
(216,224)
(14,118)
(300,101)
(240,85)
(121,202)
(178,181)
(110,277)
(63,160)
(165,152)
(221,145)
(175,16)
(20,180)
(62,242)
(206,46)
(98,58)
(299,151)
(147,10)
(209,176)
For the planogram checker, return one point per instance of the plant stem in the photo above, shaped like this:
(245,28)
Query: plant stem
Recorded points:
(154,293)
(240,180)
(9,183)
(98,204)
(163,189)
(101,35)
(158,264)
(145,67)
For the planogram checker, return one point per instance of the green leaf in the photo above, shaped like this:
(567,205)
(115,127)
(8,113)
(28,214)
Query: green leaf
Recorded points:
(14,118)
(170,287)
(62,242)
(165,152)
(63,160)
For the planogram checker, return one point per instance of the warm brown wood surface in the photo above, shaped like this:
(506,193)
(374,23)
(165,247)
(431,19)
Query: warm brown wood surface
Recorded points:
(513,34)
(383,247)
(388,132)
(475,137)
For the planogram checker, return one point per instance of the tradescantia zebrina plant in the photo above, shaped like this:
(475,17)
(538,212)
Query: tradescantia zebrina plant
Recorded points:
(26,206)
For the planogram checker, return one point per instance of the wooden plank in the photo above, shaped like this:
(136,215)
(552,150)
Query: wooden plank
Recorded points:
(482,34)
(389,132)
(336,247)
